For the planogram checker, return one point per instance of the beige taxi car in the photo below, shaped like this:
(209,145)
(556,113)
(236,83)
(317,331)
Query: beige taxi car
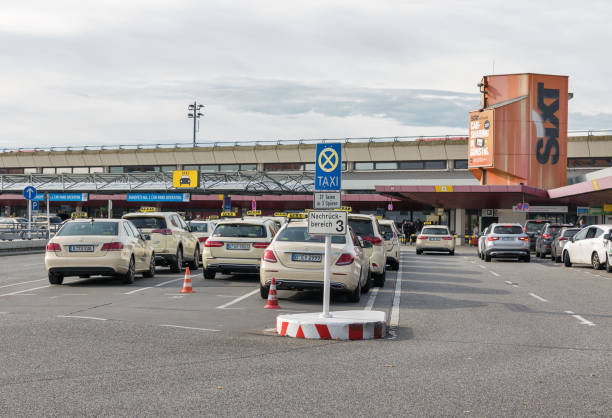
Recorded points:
(295,259)
(236,246)
(171,238)
(390,235)
(106,247)
(435,238)
(202,229)
(367,228)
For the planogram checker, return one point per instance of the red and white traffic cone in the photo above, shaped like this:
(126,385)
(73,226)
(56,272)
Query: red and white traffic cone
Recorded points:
(272,302)
(187,283)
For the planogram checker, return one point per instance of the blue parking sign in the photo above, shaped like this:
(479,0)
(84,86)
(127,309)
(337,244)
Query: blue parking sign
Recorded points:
(328,173)
(34,204)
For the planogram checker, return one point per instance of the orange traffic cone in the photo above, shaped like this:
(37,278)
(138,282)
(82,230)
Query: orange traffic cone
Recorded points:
(272,299)
(187,283)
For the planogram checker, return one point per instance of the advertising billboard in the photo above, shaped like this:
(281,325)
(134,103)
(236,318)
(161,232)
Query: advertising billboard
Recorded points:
(480,142)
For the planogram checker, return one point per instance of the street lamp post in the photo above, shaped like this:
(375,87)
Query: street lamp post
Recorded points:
(194,112)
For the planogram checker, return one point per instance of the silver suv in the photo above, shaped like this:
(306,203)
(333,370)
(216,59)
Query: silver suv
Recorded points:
(505,241)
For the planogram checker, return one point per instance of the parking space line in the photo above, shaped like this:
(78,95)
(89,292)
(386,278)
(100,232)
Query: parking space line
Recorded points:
(137,290)
(24,291)
(82,317)
(540,298)
(581,319)
(238,299)
(495,274)
(169,281)
(182,327)
(372,299)
(17,284)
(394,322)
(481,266)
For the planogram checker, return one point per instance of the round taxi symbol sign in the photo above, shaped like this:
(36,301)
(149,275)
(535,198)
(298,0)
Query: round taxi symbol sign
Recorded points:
(328,160)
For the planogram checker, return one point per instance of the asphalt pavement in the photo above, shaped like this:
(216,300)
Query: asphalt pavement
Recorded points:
(467,338)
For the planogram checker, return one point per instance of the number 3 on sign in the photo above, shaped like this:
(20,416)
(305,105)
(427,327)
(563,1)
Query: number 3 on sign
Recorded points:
(339,225)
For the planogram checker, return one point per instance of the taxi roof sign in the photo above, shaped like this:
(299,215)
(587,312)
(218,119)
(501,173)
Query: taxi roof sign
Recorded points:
(296,216)
(280,214)
(148,209)
(253,212)
(228,214)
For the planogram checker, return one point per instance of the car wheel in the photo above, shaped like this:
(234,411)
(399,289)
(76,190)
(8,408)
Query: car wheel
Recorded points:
(263,291)
(527,258)
(557,259)
(451,252)
(128,277)
(177,264)
(355,295)
(151,272)
(195,264)
(566,259)
(209,274)
(537,254)
(487,258)
(419,252)
(55,278)
(379,279)
(595,262)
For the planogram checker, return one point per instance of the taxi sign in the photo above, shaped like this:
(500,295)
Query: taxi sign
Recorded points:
(185,179)
(345,209)
(327,222)
(212,217)
(253,212)
(379,217)
(228,214)
(296,216)
(78,215)
(148,209)
(328,161)
(280,214)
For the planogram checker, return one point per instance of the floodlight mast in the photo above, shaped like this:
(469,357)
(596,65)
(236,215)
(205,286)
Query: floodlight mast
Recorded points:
(194,112)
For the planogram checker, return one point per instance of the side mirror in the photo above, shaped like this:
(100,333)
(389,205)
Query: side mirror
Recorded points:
(572,239)
(606,237)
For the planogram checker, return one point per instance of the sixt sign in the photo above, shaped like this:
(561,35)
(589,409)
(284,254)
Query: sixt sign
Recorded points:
(548,106)
(328,173)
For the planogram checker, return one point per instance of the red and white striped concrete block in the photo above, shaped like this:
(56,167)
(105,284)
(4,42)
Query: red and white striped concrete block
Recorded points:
(343,325)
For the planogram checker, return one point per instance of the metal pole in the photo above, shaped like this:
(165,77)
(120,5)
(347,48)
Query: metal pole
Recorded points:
(110,208)
(29,219)
(195,114)
(326,277)
(48,219)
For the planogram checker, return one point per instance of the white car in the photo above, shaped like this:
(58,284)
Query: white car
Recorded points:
(367,228)
(202,229)
(391,237)
(588,246)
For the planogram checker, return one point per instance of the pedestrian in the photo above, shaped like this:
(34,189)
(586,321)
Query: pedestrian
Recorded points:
(405,231)
(411,231)
(581,223)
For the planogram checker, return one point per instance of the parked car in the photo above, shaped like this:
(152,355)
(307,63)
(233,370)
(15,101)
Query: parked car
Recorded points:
(562,238)
(107,247)
(588,246)
(390,235)
(435,238)
(367,228)
(506,241)
(545,238)
(531,228)
(202,229)
(481,242)
(171,238)
(237,245)
(295,259)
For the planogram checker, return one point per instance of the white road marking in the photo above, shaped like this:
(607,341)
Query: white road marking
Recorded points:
(495,274)
(581,319)
(24,291)
(181,327)
(511,284)
(82,317)
(17,284)
(68,294)
(481,266)
(372,299)
(533,295)
(170,281)
(238,299)
(394,322)
(270,330)
(137,290)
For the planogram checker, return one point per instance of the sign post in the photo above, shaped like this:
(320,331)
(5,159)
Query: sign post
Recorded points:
(328,178)
(48,219)
(29,193)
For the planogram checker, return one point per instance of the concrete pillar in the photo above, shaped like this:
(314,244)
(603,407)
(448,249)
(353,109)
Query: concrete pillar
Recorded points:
(460,224)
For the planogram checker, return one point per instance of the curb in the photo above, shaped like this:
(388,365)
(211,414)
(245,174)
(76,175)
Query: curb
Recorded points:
(343,325)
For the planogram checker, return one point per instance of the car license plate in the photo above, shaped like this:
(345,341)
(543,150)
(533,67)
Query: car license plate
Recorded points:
(312,258)
(507,238)
(238,246)
(81,248)
(434,239)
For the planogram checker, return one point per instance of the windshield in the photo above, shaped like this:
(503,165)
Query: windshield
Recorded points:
(89,228)
(240,231)
(533,227)
(362,227)
(198,227)
(570,232)
(435,231)
(148,222)
(386,231)
(508,229)
(553,229)
(300,234)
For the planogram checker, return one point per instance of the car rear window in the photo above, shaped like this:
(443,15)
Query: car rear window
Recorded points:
(89,228)
(300,234)
(435,231)
(570,232)
(240,231)
(508,229)
(534,226)
(362,227)
(148,222)
(386,231)
(198,227)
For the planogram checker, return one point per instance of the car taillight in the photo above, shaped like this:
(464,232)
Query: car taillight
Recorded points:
(564,239)
(269,256)
(447,238)
(210,243)
(377,241)
(546,236)
(202,239)
(493,239)
(112,246)
(261,244)
(523,238)
(164,231)
(345,259)
(52,246)
(421,237)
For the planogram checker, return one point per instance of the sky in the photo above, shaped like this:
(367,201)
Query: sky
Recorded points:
(80,72)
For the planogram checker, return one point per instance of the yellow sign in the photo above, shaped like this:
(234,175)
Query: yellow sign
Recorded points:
(427,223)
(379,217)
(76,215)
(608,208)
(222,195)
(212,217)
(595,185)
(296,216)
(345,209)
(328,160)
(253,212)
(280,214)
(448,189)
(185,179)
(148,209)
(228,214)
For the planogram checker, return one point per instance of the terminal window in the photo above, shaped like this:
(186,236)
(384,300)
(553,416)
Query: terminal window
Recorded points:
(461,164)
